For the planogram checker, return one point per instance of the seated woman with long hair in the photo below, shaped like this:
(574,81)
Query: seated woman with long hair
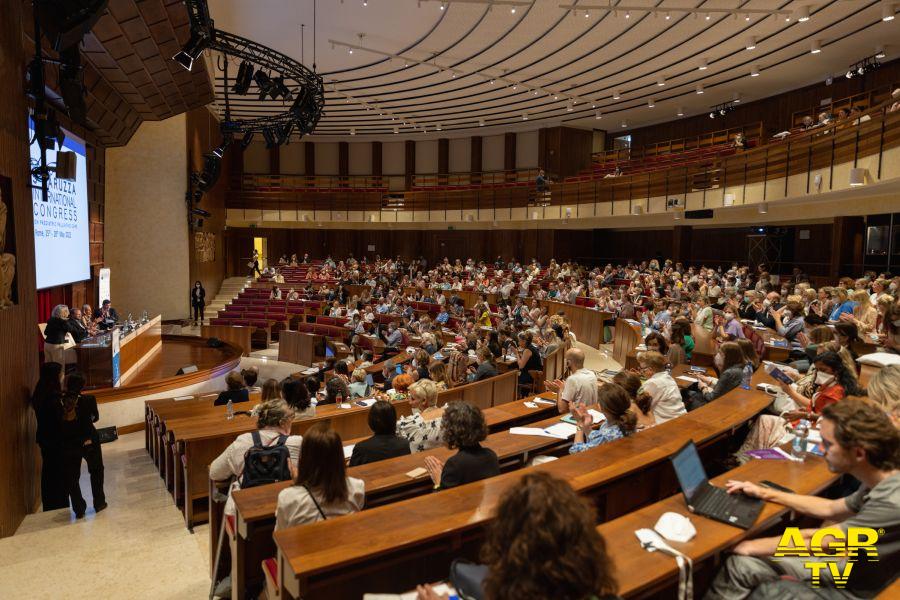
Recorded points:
(620,419)
(321,487)
(543,543)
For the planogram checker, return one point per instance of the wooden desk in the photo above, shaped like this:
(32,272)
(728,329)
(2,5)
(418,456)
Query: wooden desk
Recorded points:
(301,348)
(486,393)
(95,358)
(237,335)
(627,338)
(586,323)
(426,533)
(643,574)
(767,337)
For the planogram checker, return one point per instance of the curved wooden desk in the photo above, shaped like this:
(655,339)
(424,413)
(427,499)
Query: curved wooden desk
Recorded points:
(586,323)
(158,373)
(393,547)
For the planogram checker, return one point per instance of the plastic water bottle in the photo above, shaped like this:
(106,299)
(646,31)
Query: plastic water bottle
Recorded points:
(229,410)
(746,376)
(798,446)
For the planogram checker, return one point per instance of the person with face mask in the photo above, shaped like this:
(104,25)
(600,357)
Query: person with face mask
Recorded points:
(198,301)
(729,327)
(659,388)
(833,382)
(729,362)
(789,322)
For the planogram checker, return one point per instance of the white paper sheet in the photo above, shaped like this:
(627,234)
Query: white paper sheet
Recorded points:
(348,450)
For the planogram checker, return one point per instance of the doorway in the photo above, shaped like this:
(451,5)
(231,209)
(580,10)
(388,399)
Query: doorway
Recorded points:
(261,247)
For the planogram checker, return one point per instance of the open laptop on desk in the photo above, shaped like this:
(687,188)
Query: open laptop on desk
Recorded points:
(708,500)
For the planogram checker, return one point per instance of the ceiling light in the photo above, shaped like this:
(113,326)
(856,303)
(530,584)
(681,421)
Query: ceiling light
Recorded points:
(712,115)
(887,11)
(512,10)
(680,112)
(352,129)
(598,115)
(616,94)
(815,47)
(751,43)
(707,16)
(270,138)
(754,72)
(787,18)
(677,214)
(703,65)
(245,141)
(587,15)
(747,17)
(803,14)
(555,97)
(515,87)
(627,15)
(568,107)
(699,89)
(264,82)
(624,124)
(365,2)
(763,208)
(535,92)
(481,122)
(442,6)
(396,130)
(736,97)
(650,103)
(879,52)
(858,177)
(349,50)
(668,16)
(661,81)
(524,116)
(244,78)
(492,82)
(194,47)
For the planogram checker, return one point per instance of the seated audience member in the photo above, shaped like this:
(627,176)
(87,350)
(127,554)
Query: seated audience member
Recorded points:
(750,355)
(884,390)
(579,388)
(321,489)
(842,305)
(864,315)
(847,336)
(463,428)
(620,421)
(358,386)
(423,428)
(437,372)
(528,358)
(271,390)
(457,369)
(81,442)
(296,394)
(273,420)
(730,363)
(631,383)
(236,391)
(789,322)
(681,330)
(419,364)
(250,376)
(275,294)
(486,368)
(859,441)
(393,337)
(543,543)
(336,391)
(401,383)
(656,342)
(342,370)
(729,326)
(833,382)
(704,315)
(664,396)
(385,443)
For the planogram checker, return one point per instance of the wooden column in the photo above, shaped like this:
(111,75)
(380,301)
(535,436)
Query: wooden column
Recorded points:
(343,160)
(410,162)
(443,160)
(377,170)
(681,243)
(275,160)
(509,155)
(847,241)
(309,159)
(475,167)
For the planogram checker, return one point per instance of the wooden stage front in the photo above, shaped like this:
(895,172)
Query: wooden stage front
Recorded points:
(158,372)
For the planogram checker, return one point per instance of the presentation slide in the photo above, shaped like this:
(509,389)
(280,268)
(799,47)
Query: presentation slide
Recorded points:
(61,224)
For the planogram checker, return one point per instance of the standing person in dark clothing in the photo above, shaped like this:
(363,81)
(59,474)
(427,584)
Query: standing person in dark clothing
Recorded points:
(58,325)
(81,441)
(45,402)
(198,302)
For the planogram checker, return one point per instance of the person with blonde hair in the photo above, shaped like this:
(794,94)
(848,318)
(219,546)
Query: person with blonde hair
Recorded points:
(659,390)
(422,429)
(358,386)
(273,421)
(864,315)
(437,373)
(884,390)
(457,369)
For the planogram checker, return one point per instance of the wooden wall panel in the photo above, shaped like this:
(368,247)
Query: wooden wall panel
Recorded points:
(20,492)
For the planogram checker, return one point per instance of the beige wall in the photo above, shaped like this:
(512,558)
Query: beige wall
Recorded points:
(146,223)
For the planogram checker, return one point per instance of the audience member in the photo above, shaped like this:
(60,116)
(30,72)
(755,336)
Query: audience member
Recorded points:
(385,443)
(662,391)
(337,390)
(619,419)
(423,428)
(296,395)
(730,362)
(358,387)
(463,428)
(236,391)
(579,388)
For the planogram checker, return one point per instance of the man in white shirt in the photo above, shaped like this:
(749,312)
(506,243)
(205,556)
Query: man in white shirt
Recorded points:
(579,388)
(666,402)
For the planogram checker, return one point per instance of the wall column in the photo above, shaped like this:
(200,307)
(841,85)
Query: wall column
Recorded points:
(377,171)
(475,167)
(443,160)
(410,162)
(343,159)
(681,243)
(509,155)
(309,159)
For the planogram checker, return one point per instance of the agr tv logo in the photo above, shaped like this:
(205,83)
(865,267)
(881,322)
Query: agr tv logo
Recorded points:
(858,540)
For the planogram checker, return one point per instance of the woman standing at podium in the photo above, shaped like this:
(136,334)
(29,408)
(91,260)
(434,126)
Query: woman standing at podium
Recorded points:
(198,302)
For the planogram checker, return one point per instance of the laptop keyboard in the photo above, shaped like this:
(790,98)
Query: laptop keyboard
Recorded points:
(717,501)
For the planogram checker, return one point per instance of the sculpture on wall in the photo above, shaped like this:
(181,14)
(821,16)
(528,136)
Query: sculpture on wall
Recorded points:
(7,262)
(205,246)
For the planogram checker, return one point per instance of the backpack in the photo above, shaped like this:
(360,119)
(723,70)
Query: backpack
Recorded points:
(266,464)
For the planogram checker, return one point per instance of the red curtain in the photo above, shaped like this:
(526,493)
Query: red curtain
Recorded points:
(44,305)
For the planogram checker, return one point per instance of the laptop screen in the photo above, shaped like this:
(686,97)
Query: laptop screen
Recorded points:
(328,351)
(689,470)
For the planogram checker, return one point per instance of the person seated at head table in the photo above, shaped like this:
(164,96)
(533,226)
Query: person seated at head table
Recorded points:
(620,419)
(463,428)
(385,443)
(422,428)
(659,393)
(322,490)
(106,316)
(77,327)
(273,420)
(861,441)
(236,391)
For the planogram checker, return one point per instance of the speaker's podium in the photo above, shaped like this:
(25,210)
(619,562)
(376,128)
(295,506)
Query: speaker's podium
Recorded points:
(109,358)
(308,348)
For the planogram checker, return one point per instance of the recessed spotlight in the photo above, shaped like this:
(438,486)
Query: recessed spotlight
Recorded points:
(803,14)
(703,65)
(615,95)
(650,103)
(481,122)
(569,107)
(524,116)
(396,130)
(492,82)
(555,97)
(668,16)
(747,17)
(350,50)
(879,52)
(708,17)
(699,89)
(751,43)
(887,11)
(815,47)
(624,124)
(587,15)
(437,127)
(442,6)
(515,87)
(512,10)
(754,72)
(736,97)
(680,112)
(598,115)
(661,81)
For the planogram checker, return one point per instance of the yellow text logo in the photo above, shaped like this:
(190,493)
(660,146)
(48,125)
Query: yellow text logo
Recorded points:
(830,543)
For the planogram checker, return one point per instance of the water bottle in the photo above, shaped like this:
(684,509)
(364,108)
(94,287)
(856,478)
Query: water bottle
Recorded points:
(798,446)
(746,376)
(229,410)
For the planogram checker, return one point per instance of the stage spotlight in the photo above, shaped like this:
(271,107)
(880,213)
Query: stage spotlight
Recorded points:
(244,78)
(270,138)
(284,134)
(211,167)
(712,115)
(219,151)
(198,196)
(245,141)
(200,213)
(192,50)
(279,89)
(264,82)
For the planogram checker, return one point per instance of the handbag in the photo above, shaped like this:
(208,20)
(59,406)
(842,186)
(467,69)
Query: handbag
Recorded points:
(467,579)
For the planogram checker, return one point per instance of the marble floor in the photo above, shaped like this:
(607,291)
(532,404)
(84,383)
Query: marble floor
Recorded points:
(138,547)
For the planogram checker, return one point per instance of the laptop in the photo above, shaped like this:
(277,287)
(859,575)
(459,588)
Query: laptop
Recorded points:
(708,500)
